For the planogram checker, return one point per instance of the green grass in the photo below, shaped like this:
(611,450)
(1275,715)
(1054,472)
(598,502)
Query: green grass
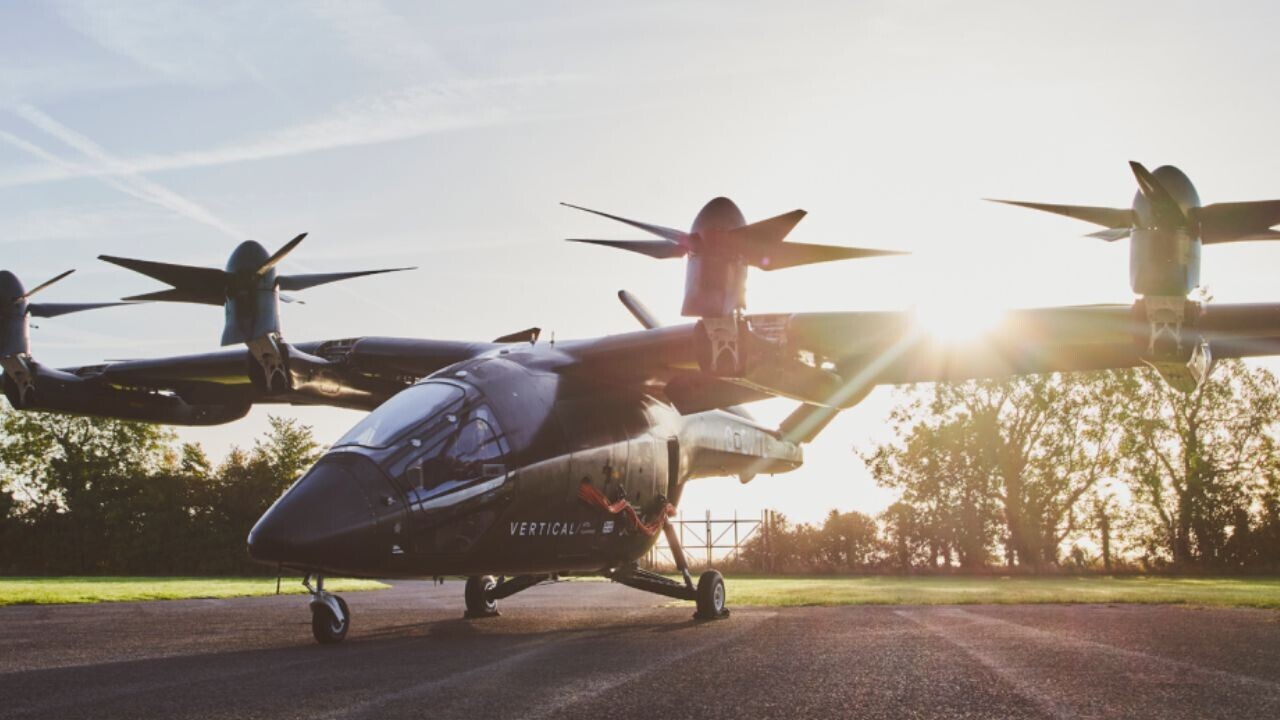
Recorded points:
(797,591)
(61,590)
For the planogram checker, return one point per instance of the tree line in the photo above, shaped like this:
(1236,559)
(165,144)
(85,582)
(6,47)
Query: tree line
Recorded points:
(87,496)
(1107,471)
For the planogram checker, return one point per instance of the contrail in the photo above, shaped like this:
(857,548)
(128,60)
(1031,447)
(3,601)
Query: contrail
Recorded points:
(121,175)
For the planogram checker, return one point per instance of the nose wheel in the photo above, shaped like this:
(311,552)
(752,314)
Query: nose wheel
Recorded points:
(330,618)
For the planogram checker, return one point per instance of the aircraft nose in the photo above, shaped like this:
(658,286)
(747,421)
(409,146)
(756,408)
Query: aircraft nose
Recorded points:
(342,514)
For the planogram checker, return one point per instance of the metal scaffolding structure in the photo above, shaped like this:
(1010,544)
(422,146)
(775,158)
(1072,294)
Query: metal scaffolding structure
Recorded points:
(707,540)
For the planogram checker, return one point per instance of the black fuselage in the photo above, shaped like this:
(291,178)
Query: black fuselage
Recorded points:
(478,469)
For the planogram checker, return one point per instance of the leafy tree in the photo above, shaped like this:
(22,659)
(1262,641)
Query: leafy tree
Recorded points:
(850,540)
(1202,466)
(1010,458)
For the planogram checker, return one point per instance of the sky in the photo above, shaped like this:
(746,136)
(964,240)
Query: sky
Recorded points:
(444,135)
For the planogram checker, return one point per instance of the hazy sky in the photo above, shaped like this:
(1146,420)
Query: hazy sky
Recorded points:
(444,134)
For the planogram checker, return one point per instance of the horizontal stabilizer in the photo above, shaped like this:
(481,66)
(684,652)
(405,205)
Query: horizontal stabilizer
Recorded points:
(663,232)
(302,282)
(1239,221)
(1106,217)
(529,335)
(48,310)
(660,249)
(788,254)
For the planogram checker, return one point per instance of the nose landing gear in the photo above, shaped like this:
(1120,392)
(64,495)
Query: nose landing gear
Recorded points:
(330,618)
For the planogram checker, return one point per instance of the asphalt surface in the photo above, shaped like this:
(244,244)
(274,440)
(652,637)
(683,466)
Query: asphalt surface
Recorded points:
(596,650)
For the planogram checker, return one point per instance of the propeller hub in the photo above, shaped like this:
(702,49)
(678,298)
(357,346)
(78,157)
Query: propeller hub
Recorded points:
(11,292)
(720,214)
(1150,205)
(247,258)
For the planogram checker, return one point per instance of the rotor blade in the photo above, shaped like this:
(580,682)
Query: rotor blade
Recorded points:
(1111,234)
(660,249)
(1161,201)
(43,285)
(279,255)
(1237,221)
(201,296)
(47,310)
(638,310)
(180,276)
(787,254)
(302,282)
(771,231)
(676,236)
(805,422)
(1107,217)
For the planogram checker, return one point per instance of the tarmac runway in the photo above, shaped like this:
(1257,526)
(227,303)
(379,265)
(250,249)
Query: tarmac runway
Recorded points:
(597,650)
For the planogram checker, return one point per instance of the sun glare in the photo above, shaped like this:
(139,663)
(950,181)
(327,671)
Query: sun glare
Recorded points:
(957,320)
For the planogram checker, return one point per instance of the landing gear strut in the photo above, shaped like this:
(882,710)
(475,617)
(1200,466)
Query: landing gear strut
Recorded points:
(709,594)
(330,618)
(484,591)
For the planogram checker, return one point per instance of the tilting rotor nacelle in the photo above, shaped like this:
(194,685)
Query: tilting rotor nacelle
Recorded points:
(1167,227)
(248,289)
(15,335)
(719,248)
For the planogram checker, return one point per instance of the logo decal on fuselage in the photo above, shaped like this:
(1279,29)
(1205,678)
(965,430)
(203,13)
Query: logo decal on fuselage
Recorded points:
(548,528)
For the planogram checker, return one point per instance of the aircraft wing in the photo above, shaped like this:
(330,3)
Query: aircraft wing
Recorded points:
(218,387)
(891,348)
(835,359)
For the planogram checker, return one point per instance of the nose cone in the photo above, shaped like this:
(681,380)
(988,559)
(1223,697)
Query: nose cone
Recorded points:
(719,214)
(343,514)
(247,257)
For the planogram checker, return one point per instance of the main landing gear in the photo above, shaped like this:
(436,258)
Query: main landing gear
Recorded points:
(708,595)
(484,591)
(330,618)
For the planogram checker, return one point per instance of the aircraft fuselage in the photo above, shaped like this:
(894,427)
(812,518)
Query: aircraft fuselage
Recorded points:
(479,468)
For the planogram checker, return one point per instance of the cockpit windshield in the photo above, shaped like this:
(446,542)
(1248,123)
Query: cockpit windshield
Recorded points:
(402,412)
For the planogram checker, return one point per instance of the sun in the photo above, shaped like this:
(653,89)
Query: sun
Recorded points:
(956,320)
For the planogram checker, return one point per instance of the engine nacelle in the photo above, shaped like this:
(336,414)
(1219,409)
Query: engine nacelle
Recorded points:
(1164,262)
(714,286)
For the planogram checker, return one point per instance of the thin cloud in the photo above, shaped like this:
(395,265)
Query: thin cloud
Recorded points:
(401,115)
(119,174)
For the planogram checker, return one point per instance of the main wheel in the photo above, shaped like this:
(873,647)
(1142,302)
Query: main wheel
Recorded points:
(477,604)
(711,596)
(327,628)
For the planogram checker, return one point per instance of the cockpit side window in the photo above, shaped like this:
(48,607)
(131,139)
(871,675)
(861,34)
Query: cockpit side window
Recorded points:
(472,448)
(475,445)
